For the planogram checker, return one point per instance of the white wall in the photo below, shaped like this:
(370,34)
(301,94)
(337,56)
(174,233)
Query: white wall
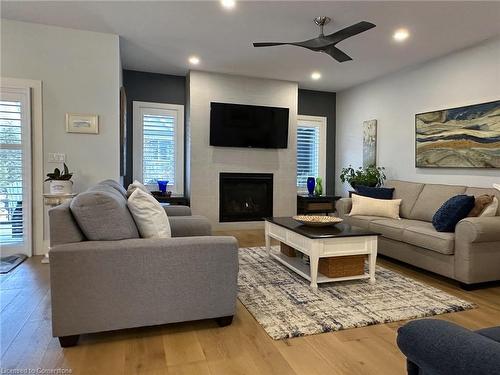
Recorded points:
(466,77)
(80,73)
(206,162)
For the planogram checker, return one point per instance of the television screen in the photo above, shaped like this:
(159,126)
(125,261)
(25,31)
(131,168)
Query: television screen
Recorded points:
(238,125)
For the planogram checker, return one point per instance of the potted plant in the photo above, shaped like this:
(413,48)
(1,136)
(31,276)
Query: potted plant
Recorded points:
(60,183)
(370,176)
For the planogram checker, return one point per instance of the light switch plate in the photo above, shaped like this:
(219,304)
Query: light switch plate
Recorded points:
(55,157)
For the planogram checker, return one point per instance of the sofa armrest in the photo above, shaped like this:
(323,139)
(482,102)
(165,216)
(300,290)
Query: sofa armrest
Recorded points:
(176,210)
(343,206)
(189,226)
(479,229)
(106,285)
(441,347)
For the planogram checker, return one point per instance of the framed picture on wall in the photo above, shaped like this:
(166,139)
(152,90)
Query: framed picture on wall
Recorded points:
(462,137)
(78,123)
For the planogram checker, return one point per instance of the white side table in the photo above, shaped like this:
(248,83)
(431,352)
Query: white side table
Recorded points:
(53,200)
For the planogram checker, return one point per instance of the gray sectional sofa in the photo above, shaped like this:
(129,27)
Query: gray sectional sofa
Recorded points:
(471,255)
(108,285)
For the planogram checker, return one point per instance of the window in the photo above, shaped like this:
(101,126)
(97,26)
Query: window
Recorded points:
(159,145)
(15,171)
(311,150)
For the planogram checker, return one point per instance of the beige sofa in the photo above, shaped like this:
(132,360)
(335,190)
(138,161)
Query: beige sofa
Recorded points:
(471,255)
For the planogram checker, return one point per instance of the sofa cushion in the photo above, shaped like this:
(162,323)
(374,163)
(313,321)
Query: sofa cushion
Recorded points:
(361,221)
(375,207)
(375,192)
(115,185)
(102,215)
(149,215)
(491,333)
(431,198)
(476,192)
(424,235)
(392,228)
(451,212)
(408,192)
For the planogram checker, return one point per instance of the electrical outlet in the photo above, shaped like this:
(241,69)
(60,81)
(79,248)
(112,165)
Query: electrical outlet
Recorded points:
(56,157)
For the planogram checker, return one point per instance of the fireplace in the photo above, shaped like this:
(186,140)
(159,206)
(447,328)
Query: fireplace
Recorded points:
(245,196)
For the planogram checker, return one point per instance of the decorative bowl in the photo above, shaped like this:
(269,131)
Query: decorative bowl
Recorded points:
(317,221)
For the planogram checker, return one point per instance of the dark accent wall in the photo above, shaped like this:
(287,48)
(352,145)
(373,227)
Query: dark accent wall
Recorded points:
(149,87)
(321,103)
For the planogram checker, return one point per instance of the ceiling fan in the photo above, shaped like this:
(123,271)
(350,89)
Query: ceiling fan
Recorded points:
(326,43)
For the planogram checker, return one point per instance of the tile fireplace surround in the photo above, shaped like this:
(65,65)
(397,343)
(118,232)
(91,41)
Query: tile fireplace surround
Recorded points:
(206,163)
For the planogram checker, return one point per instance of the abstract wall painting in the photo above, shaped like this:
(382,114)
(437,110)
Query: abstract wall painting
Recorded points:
(369,143)
(463,137)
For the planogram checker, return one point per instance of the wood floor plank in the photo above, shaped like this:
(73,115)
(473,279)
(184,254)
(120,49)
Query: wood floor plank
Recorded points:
(204,348)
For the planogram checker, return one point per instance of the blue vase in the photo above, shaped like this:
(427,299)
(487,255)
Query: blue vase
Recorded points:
(162,185)
(311,182)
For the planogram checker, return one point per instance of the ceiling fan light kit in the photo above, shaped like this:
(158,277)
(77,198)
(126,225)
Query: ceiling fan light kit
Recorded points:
(326,43)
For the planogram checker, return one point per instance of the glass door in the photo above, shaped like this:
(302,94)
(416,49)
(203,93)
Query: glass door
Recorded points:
(15,171)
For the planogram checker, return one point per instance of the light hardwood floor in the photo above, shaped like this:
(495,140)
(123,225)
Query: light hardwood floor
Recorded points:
(200,348)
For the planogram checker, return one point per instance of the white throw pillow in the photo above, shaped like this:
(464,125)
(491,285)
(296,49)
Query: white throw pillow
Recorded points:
(496,186)
(375,207)
(491,209)
(136,185)
(149,216)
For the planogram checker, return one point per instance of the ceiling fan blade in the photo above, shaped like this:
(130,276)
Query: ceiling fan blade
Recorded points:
(349,31)
(269,44)
(337,54)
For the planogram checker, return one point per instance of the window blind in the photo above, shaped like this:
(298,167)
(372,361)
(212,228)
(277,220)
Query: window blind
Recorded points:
(159,148)
(12,158)
(308,153)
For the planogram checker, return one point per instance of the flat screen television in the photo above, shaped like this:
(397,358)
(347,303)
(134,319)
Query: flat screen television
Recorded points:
(238,125)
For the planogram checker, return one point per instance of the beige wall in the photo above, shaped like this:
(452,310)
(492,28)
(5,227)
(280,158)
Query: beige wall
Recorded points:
(466,77)
(206,162)
(80,73)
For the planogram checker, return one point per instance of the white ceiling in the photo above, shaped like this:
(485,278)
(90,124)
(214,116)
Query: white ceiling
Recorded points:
(160,36)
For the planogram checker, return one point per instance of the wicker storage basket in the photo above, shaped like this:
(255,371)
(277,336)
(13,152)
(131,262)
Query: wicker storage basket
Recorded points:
(287,250)
(351,265)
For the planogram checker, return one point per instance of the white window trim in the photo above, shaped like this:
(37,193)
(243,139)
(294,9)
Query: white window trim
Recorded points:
(315,121)
(138,107)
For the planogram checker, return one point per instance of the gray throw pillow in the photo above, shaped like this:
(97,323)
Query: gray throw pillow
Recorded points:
(103,216)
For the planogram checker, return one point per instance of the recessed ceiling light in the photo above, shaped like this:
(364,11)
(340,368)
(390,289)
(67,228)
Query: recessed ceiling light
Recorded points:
(316,75)
(195,60)
(228,4)
(401,34)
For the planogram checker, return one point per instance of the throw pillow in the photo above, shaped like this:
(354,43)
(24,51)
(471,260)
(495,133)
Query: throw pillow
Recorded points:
(451,212)
(136,185)
(375,207)
(103,216)
(375,192)
(491,209)
(480,203)
(149,215)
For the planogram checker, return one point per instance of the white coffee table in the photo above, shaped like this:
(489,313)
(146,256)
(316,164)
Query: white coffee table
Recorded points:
(320,242)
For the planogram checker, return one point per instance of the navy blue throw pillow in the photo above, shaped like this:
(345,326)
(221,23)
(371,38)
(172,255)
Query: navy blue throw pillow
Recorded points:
(375,192)
(451,212)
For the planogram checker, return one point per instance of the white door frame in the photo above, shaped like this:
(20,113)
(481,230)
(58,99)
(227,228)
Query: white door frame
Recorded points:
(34,87)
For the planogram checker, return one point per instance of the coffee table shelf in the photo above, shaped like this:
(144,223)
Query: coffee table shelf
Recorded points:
(298,266)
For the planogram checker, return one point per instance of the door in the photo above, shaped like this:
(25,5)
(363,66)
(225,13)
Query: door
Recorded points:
(15,171)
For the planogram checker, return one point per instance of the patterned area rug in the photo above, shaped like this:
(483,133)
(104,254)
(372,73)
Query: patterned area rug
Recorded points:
(285,306)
